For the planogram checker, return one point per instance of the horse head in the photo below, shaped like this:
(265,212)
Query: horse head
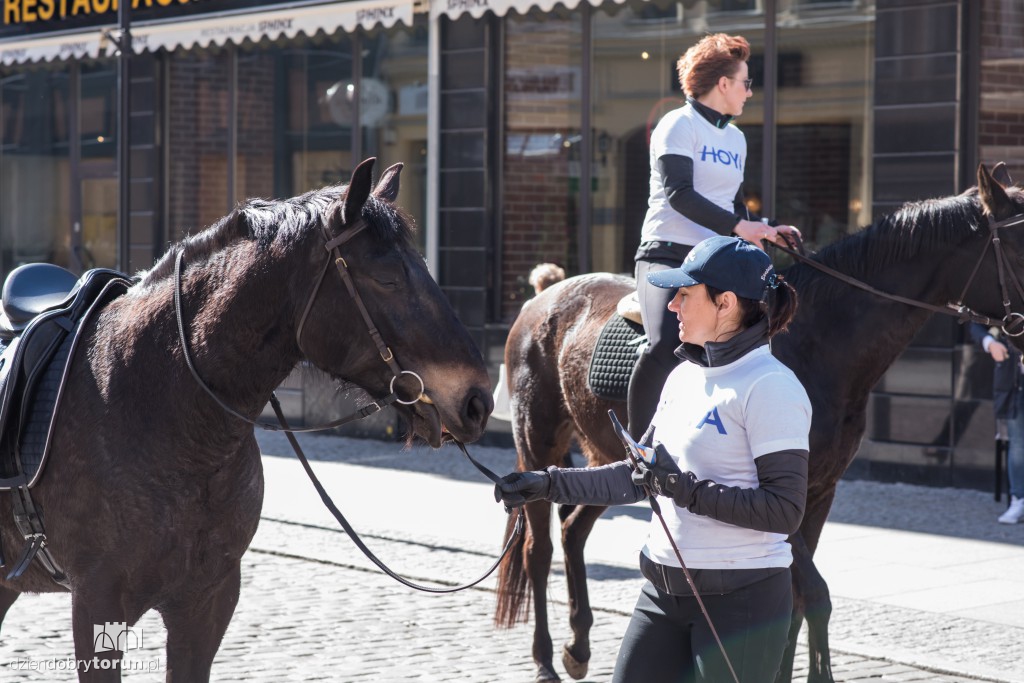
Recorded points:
(1002,204)
(420,336)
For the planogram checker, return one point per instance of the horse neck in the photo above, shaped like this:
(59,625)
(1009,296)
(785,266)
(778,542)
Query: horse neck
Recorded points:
(240,318)
(858,335)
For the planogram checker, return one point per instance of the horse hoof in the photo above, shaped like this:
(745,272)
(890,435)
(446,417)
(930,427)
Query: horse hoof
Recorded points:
(573,666)
(546,675)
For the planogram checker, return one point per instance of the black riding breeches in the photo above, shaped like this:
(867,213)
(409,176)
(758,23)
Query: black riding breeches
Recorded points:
(658,359)
(669,641)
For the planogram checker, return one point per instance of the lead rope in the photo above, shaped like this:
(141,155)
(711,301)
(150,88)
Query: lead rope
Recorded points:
(326,498)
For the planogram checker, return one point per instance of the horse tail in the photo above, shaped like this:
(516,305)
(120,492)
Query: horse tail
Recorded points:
(513,605)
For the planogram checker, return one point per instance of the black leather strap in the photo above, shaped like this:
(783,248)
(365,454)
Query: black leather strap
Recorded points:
(329,504)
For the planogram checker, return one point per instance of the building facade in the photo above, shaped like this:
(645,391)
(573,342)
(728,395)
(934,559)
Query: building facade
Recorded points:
(524,127)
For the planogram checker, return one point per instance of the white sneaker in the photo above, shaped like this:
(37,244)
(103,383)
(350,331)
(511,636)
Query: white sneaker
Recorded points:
(1014,513)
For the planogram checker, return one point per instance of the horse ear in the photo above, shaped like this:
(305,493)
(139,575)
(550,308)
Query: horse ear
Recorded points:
(1001,173)
(358,191)
(993,196)
(387,186)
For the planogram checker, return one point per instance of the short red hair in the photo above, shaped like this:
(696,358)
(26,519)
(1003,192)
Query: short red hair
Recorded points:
(711,58)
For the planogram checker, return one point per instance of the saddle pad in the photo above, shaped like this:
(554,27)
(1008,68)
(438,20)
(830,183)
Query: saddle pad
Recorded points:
(44,403)
(25,442)
(614,357)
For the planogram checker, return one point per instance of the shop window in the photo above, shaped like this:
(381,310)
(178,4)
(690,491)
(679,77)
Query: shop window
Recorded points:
(319,116)
(393,110)
(34,167)
(824,122)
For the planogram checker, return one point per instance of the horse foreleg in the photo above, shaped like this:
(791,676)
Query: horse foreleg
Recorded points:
(575,530)
(811,601)
(196,623)
(818,610)
(537,562)
(100,629)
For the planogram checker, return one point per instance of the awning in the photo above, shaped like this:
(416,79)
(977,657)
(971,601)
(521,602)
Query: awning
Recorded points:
(205,29)
(287,21)
(65,46)
(477,8)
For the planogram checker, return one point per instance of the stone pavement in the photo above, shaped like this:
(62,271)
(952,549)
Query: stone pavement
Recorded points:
(925,586)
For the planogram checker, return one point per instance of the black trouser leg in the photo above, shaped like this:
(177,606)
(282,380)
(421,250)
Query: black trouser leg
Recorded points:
(658,359)
(669,641)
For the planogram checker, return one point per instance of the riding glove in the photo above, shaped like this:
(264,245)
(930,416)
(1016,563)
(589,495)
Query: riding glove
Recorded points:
(664,478)
(519,488)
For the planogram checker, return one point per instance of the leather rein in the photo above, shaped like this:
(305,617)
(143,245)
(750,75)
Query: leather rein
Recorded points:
(332,246)
(1012,323)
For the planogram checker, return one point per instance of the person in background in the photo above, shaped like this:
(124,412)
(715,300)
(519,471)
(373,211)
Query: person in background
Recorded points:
(731,442)
(544,275)
(697,161)
(541,277)
(1008,405)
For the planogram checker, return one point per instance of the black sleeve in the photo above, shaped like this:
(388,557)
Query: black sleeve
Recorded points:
(605,485)
(776,506)
(677,178)
(978,333)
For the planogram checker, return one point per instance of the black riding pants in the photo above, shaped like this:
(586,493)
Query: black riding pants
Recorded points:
(658,359)
(668,639)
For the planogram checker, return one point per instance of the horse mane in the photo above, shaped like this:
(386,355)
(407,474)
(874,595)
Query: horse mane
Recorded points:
(267,220)
(914,229)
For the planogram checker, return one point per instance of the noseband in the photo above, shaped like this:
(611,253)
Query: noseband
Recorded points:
(1012,323)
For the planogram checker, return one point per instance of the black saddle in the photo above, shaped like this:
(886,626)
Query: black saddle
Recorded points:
(615,354)
(28,291)
(43,309)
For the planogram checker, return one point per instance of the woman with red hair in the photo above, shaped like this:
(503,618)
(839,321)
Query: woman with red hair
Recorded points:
(697,162)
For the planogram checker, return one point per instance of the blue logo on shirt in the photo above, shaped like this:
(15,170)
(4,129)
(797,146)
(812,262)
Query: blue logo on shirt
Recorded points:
(712,418)
(721,156)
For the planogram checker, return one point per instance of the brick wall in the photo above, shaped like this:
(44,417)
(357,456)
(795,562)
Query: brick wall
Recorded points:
(197,154)
(542,73)
(1001,120)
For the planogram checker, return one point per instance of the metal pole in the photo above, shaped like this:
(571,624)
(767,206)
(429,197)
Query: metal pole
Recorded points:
(771,81)
(124,133)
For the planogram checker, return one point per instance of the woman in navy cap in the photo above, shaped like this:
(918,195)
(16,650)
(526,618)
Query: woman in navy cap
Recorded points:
(697,157)
(731,440)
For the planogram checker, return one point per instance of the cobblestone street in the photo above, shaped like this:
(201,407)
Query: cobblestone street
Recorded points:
(313,608)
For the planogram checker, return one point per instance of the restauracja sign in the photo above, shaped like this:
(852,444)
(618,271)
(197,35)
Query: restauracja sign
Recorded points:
(30,11)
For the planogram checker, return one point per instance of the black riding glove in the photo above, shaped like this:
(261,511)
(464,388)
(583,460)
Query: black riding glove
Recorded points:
(519,488)
(664,478)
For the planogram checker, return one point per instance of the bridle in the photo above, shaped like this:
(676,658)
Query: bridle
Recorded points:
(1011,323)
(333,254)
(333,248)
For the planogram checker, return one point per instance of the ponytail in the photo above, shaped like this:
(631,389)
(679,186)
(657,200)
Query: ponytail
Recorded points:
(778,306)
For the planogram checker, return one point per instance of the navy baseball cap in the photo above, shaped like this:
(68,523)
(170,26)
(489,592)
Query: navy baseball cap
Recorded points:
(729,264)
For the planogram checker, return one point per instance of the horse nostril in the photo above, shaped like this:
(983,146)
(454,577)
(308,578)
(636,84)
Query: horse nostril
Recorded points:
(478,407)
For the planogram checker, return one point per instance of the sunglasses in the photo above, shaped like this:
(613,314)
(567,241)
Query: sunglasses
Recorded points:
(747,83)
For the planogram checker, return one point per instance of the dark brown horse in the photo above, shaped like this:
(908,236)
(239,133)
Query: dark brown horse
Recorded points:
(841,342)
(153,493)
